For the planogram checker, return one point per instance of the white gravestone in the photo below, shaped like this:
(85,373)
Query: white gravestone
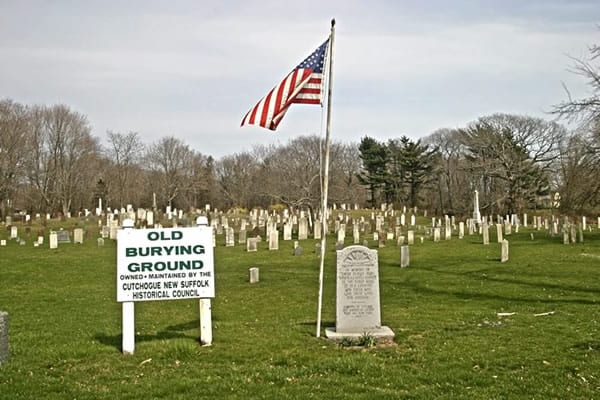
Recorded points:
(78,235)
(404,257)
(504,253)
(357,295)
(53,240)
(254,275)
(251,245)
(14,232)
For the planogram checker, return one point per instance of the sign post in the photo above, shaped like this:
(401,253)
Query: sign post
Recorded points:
(163,264)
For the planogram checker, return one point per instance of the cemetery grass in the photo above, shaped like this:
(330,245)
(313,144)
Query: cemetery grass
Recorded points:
(65,326)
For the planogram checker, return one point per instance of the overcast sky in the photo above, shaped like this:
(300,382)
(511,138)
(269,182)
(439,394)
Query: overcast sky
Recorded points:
(193,68)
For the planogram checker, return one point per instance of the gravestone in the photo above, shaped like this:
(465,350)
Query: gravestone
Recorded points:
(4,348)
(303,229)
(78,235)
(317,231)
(504,253)
(298,251)
(229,237)
(253,274)
(404,257)
(357,295)
(14,232)
(355,234)
(287,231)
(274,240)
(411,237)
(63,237)
(251,245)
(461,230)
(486,233)
(436,234)
(2,242)
(100,242)
(53,240)
(242,236)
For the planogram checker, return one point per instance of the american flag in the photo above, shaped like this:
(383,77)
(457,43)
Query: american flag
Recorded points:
(303,85)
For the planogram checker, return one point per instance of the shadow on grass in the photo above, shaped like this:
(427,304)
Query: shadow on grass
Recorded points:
(587,346)
(171,332)
(477,274)
(488,296)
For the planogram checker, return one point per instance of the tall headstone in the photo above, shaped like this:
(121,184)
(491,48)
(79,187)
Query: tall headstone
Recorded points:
(461,230)
(254,275)
(78,235)
(317,230)
(410,237)
(499,232)
(357,294)
(242,236)
(14,233)
(53,240)
(485,232)
(355,233)
(229,237)
(504,253)
(274,240)
(436,234)
(404,256)
(302,228)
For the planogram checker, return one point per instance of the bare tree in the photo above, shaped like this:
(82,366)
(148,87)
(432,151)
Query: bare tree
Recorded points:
(62,156)
(125,152)
(585,110)
(14,129)
(169,162)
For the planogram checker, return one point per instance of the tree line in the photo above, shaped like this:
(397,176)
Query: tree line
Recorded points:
(51,163)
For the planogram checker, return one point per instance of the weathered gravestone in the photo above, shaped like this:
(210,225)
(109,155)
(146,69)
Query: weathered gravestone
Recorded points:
(53,240)
(404,256)
(78,235)
(4,349)
(254,275)
(251,245)
(358,309)
(504,251)
(63,237)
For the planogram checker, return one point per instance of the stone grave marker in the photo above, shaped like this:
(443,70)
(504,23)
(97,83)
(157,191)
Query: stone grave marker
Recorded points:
(53,240)
(298,251)
(78,235)
(410,237)
(242,236)
(254,275)
(63,237)
(302,228)
(436,234)
(404,256)
(251,245)
(2,242)
(100,242)
(14,232)
(486,233)
(358,309)
(274,240)
(229,237)
(504,252)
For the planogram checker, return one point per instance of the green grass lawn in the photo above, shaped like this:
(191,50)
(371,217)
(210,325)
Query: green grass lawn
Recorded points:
(65,325)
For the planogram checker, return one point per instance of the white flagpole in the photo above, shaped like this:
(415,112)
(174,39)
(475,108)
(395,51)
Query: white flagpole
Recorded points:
(325,179)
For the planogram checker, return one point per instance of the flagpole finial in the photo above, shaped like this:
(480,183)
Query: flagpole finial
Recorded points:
(332,22)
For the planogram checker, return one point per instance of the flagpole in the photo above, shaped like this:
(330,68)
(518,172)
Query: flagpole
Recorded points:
(325,179)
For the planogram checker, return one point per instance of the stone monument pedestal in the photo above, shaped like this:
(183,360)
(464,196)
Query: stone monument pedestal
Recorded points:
(382,332)
(357,296)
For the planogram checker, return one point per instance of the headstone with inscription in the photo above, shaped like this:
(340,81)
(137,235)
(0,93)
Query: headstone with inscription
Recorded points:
(358,309)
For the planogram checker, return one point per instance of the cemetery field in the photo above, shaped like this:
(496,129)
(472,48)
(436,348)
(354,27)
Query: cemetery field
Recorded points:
(467,326)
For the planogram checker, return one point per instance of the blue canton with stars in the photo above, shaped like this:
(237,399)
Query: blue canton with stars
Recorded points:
(316,60)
